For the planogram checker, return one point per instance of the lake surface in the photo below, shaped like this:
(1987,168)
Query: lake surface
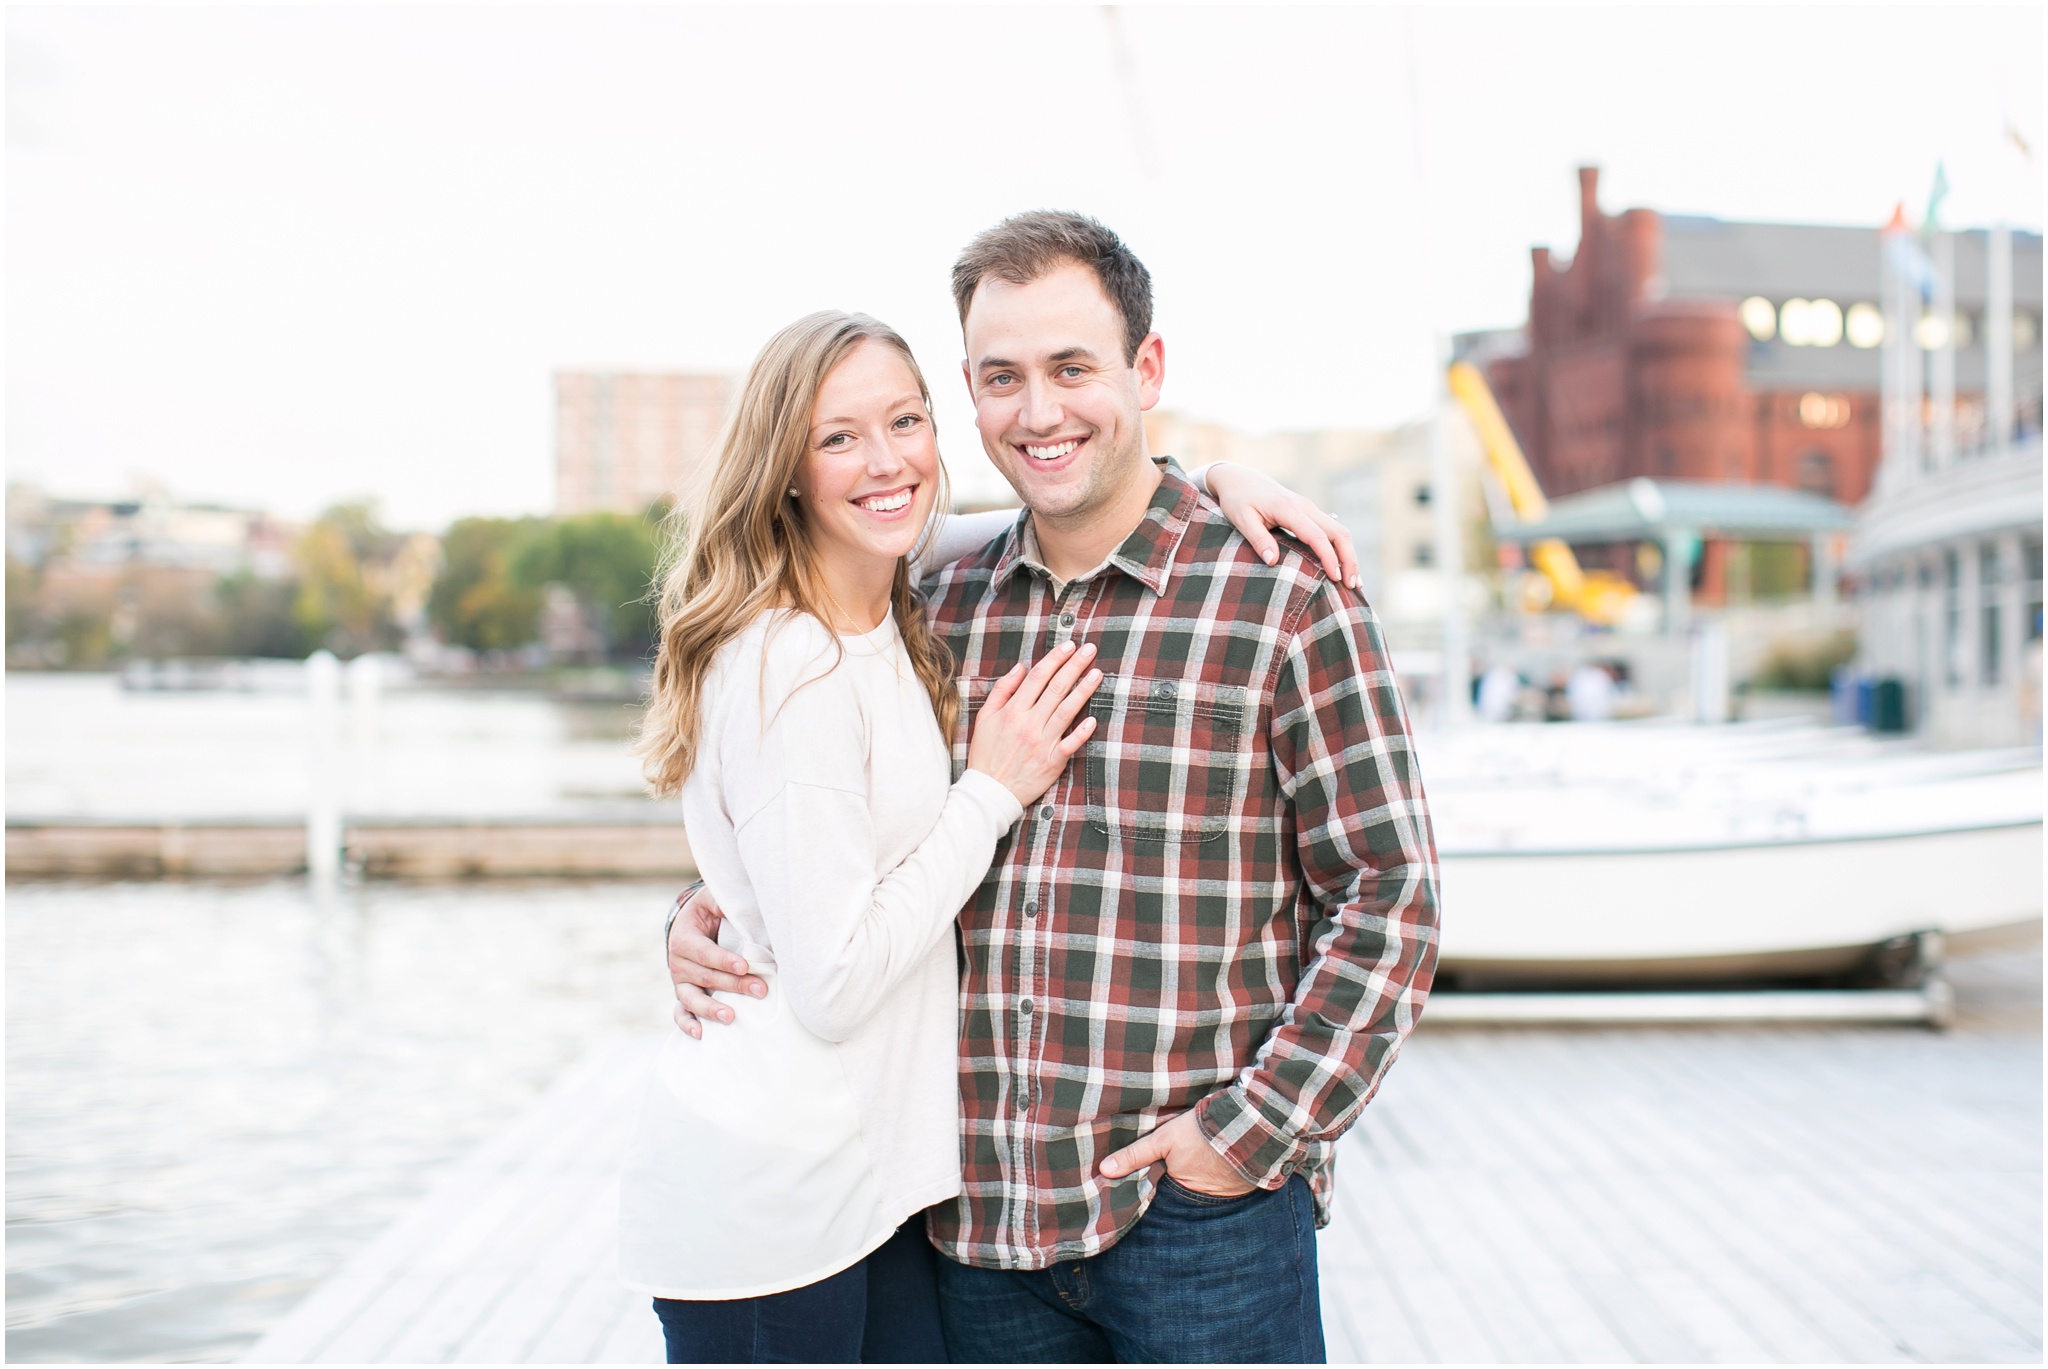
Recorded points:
(81,746)
(215,1094)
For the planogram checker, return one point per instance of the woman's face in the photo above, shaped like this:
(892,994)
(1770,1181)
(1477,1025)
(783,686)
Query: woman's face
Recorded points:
(870,472)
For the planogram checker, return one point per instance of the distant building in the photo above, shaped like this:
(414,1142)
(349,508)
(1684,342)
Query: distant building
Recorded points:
(1377,483)
(625,440)
(149,529)
(1949,562)
(1698,349)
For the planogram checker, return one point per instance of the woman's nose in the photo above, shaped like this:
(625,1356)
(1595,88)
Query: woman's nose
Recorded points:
(883,459)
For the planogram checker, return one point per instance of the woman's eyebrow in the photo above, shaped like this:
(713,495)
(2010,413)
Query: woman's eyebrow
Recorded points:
(911,398)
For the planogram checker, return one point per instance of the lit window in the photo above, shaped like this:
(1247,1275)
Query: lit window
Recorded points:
(1823,323)
(2026,331)
(1865,325)
(1760,318)
(1931,332)
(1824,411)
(1810,322)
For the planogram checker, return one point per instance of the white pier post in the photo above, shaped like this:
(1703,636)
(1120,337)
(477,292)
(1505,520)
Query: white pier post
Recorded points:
(323,789)
(1710,673)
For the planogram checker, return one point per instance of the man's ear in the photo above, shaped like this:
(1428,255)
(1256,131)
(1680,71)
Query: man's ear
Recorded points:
(1150,364)
(967,376)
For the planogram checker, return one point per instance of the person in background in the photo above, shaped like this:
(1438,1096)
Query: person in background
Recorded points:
(1196,957)
(1590,693)
(1498,688)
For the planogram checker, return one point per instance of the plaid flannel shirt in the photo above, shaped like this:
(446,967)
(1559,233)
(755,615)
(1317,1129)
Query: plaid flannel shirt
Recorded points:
(1227,903)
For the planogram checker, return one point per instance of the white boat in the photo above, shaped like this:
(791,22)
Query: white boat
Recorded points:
(1658,850)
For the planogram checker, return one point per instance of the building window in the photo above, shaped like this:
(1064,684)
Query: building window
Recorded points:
(1817,474)
(1990,579)
(2030,567)
(1952,618)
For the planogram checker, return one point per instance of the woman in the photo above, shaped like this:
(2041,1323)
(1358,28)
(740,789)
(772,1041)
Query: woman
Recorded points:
(771,1198)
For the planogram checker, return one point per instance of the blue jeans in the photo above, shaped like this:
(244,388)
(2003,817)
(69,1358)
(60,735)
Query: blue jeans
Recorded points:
(884,1310)
(1197,1280)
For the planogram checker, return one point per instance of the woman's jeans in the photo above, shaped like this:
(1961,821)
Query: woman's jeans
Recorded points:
(1198,1280)
(884,1310)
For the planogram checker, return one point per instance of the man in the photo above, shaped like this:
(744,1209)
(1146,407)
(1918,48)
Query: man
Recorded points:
(1196,957)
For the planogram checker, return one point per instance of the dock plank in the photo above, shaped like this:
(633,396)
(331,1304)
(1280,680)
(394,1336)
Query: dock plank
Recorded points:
(1514,1194)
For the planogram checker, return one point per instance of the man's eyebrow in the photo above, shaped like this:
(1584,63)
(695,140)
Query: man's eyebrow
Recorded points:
(1064,354)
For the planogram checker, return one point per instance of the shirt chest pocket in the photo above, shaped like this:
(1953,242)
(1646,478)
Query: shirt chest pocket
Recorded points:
(1170,759)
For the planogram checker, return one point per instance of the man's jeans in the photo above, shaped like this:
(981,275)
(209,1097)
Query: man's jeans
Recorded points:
(1197,1280)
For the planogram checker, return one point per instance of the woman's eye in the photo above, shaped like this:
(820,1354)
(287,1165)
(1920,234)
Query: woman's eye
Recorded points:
(908,421)
(837,440)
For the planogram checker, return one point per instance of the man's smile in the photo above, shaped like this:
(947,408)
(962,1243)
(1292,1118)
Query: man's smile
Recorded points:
(1051,454)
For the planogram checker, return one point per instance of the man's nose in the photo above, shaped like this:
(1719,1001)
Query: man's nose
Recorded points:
(1042,411)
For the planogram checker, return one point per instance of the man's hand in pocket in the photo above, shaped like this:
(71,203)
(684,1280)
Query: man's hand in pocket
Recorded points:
(1189,1158)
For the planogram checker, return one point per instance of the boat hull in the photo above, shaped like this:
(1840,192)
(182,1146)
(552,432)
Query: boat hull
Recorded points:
(1779,909)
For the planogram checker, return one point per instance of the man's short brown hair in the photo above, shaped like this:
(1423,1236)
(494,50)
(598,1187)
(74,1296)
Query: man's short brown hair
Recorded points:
(1024,247)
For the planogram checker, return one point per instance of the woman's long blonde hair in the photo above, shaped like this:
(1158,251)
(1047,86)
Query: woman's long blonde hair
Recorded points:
(743,546)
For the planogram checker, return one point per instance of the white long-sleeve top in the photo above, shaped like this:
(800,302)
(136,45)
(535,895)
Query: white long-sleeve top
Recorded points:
(783,1148)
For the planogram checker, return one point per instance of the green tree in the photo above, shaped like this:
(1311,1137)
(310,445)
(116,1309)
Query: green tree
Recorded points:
(476,600)
(607,561)
(343,602)
(258,617)
(25,618)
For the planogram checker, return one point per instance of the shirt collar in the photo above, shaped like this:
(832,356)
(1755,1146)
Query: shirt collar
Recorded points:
(1146,555)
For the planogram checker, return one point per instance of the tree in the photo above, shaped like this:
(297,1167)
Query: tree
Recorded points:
(258,618)
(343,602)
(476,601)
(607,561)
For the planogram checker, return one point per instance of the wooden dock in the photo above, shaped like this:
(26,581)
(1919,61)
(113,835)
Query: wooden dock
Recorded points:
(1525,1194)
(647,844)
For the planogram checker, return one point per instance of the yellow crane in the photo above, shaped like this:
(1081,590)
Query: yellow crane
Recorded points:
(1600,596)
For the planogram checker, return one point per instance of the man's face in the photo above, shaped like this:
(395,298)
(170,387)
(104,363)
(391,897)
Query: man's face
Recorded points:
(1059,409)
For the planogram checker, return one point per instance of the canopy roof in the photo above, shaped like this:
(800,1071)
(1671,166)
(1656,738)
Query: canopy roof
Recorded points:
(1643,510)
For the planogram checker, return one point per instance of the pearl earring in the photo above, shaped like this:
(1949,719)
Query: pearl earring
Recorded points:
(792,491)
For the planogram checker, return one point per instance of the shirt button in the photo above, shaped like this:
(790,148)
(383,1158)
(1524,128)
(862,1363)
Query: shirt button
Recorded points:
(1045,813)
(1031,909)
(1066,620)
(1023,1100)
(1025,1007)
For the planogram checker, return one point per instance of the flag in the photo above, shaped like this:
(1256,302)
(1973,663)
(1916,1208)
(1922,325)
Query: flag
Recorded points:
(1935,195)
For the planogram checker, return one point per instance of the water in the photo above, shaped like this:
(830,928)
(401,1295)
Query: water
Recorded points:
(216,1094)
(81,746)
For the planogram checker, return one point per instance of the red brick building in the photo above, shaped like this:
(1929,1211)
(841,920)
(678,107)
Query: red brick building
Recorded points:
(1698,349)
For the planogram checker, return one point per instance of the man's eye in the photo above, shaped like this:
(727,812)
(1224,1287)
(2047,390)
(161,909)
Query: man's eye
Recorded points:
(1071,372)
(1001,378)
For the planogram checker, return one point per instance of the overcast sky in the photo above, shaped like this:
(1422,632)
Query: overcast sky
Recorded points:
(286,256)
